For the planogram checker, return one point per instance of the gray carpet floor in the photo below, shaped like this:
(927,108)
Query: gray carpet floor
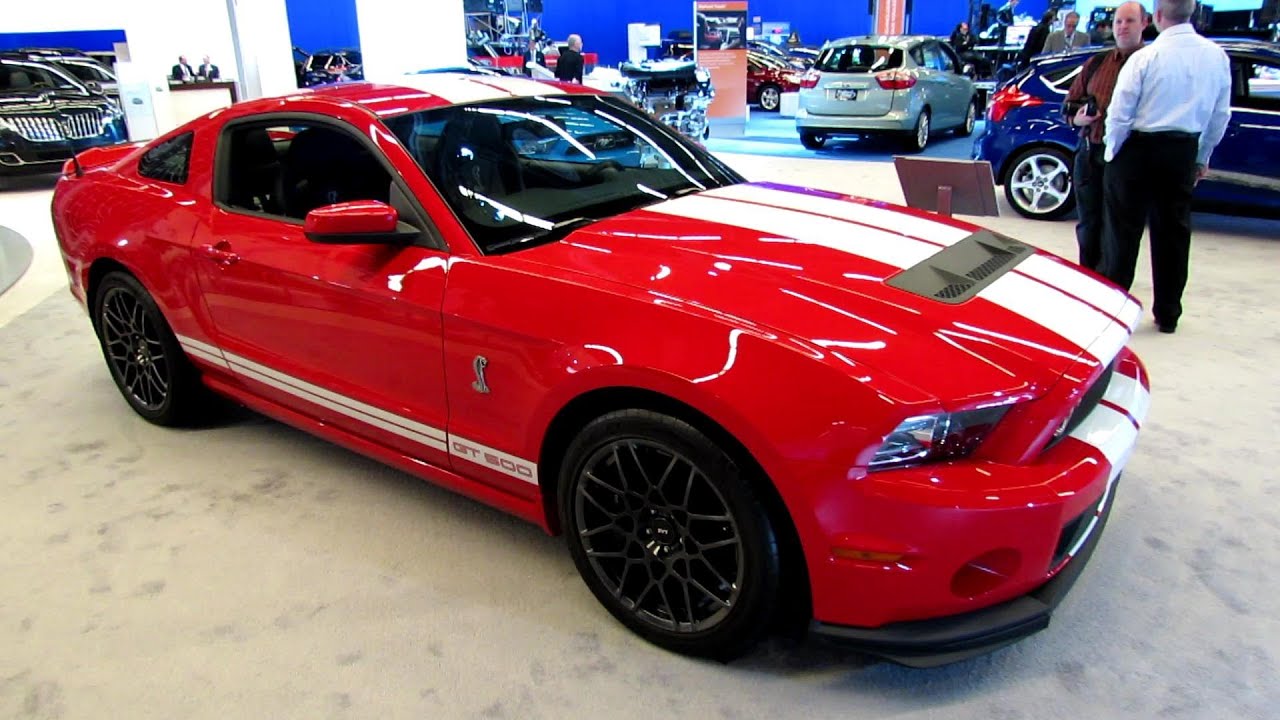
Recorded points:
(250,570)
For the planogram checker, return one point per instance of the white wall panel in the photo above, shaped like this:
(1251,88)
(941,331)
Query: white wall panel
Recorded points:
(397,37)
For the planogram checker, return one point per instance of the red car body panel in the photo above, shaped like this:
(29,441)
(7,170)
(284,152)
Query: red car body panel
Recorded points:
(761,307)
(767,72)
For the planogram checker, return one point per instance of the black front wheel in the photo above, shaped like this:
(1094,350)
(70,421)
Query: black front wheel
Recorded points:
(145,359)
(669,535)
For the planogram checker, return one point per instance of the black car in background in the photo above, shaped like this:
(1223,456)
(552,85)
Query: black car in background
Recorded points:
(328,66)
(83,67)
(46,116)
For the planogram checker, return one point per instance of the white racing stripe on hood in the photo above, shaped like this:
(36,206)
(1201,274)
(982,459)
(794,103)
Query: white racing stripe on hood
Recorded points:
(1053,309)
(787,225)
(891,221)
(1050,270)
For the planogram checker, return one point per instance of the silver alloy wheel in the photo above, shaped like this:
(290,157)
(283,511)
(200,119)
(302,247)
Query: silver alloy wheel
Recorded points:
(970,118)
(1040,183)
(770,98)
(922,130)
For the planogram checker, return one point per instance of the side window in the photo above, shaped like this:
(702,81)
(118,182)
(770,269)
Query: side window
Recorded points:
(935,60)
(290,168)
(949,56)
(1255,85)
(168,161)
(917,54)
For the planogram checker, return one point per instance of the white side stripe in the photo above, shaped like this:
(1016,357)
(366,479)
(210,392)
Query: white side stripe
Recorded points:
(788,225)
(425,435)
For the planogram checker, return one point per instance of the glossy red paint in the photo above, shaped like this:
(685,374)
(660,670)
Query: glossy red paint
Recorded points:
(763,308)
(763,71)
(359,217)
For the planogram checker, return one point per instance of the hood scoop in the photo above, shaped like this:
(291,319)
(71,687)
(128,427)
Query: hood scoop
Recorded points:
(959,272)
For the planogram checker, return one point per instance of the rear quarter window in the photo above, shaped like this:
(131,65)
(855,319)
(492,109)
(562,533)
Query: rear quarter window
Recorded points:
(169,161)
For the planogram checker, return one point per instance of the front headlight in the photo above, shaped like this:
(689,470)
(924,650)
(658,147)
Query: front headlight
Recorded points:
(930,438)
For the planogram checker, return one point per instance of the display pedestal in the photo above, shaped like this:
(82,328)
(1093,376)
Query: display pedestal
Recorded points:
(789,104)
(728,128)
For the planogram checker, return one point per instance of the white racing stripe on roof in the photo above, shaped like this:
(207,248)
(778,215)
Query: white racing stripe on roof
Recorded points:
(1053,309)
(892,221)
(459,88)
(894,250)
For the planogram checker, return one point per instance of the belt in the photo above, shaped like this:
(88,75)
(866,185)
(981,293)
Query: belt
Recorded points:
(1167,134)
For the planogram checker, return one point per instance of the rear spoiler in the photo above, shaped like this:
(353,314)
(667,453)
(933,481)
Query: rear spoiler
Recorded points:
(97,157)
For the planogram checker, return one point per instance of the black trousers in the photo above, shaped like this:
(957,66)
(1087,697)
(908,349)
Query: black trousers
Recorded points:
(1087,178)
(1152,177)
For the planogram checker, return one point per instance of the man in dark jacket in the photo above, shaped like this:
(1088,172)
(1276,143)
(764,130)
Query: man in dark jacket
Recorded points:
(1036,38)
(569,66)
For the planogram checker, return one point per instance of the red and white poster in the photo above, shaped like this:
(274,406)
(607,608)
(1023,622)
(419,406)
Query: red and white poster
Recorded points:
(891,17)
(720,46)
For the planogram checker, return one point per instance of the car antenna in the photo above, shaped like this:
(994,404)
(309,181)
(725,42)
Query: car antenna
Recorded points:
(75,159)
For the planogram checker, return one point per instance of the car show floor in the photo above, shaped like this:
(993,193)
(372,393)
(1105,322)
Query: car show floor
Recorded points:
(251,570)
(773,135)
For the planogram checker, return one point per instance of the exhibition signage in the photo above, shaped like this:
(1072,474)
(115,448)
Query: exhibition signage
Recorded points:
(720,46)
(891,17)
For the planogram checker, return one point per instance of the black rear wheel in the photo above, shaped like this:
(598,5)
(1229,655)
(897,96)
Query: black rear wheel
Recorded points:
(145,359)
(812,140)
(669,535)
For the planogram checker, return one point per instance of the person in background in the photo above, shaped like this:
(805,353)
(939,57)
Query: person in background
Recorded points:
(182,72)
(1036,39)
(1152,31)
(1102,34)
(1068,38)
(208,71)
(1005,17)
(1170,109)
(569,66)
(533,54)
(1086,109)
(963,42)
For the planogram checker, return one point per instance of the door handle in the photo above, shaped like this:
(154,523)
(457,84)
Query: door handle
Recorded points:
(220,253)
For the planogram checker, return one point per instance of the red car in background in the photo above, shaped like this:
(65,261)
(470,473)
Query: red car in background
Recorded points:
(768,77)
(735,400)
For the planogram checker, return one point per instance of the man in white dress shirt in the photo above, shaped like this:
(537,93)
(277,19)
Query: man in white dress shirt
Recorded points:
(1169,111)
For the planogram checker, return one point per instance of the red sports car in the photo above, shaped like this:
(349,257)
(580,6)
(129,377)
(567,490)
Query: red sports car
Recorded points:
(768,77)
(736,400)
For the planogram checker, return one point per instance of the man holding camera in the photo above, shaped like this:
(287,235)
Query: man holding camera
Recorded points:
(1086,109)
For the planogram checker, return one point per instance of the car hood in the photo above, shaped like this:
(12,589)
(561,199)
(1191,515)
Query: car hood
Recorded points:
(817,268)
(46,102)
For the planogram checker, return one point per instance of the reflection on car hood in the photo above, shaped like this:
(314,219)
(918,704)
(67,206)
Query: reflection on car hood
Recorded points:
(813,265)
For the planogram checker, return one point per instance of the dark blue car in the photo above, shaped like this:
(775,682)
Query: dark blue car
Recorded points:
(1030,146)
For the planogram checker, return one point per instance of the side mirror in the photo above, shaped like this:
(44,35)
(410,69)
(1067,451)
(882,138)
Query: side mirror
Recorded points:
(93,86)
(360,222)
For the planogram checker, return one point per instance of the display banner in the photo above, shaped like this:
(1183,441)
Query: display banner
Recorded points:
(891,17)
(720,35)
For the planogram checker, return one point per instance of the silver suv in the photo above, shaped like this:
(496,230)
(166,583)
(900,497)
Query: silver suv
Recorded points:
(910,84)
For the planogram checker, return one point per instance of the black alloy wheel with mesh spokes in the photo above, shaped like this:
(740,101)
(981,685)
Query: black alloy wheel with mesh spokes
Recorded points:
(144,357)
(668,534)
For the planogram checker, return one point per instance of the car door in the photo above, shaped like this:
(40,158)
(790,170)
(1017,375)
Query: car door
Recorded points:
(941,93)
(1248,158)
(349,335)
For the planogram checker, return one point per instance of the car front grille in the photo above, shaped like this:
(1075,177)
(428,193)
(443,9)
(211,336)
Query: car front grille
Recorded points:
(43,128)
(1073,532)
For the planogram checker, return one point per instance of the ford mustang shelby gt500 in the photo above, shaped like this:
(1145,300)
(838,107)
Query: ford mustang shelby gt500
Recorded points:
(737,401)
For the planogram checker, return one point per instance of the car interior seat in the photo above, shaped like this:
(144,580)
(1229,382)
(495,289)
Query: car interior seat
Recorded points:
(473,154)
(324,166)
(255,172)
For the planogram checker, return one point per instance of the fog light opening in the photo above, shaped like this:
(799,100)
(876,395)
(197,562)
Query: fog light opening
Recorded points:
(985,572)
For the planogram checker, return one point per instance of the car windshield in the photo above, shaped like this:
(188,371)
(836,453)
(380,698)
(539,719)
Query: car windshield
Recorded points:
(859,58)
(17,78)
(521,171)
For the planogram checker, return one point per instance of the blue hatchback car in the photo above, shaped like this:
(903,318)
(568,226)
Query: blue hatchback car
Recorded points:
(1030,146)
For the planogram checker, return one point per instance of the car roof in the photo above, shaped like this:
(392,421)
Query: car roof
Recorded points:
(1228,44)
(418,92)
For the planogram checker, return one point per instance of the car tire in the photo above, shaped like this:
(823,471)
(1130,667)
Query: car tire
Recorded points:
(812,140)
(668,533)
(918,138)
(769,97)
(1038,183)
(970,120)
(146,362)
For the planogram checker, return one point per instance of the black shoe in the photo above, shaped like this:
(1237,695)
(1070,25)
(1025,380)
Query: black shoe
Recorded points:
(1167,328)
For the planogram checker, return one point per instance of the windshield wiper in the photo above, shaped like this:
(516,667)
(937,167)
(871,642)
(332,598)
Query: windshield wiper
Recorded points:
(556,232)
